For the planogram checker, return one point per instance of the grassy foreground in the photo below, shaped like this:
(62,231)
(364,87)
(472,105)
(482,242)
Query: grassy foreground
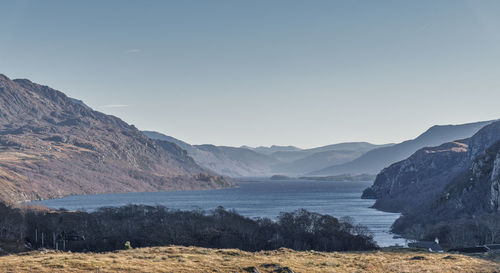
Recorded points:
(195,259)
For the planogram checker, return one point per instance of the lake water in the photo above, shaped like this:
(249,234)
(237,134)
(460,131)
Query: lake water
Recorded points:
(258,198)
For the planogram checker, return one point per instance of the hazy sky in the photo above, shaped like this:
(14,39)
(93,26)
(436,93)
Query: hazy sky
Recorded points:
(305,73)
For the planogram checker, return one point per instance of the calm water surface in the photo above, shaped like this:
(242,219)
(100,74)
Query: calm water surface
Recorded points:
(258,198)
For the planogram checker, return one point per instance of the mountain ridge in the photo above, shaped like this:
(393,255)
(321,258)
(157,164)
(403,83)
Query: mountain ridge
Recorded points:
(51,146)
(266,161)
(223,159)
(376,160)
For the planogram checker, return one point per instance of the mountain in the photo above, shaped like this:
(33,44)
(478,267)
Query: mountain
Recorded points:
(290,156)
(474,192)
(272,149)
(52,146)
(235,161)
(425,174)
(266,161)
(451,191)
(231,161)
(77,101)
(377,159)
(309,160)
(159,136)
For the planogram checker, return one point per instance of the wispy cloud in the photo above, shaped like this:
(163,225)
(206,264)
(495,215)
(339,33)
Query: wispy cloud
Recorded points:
(114,106)
(134,50)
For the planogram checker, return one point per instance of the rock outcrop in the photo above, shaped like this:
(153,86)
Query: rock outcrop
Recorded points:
(475,191)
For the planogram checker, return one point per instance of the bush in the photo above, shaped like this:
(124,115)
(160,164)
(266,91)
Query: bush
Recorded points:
(128,246)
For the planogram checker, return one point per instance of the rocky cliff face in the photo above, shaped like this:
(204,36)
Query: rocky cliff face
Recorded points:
(422,177)
(466,210)
(51,146)
(474,192)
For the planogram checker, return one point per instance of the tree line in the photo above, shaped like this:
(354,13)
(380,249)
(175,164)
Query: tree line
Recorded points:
(109,228)
(460,232)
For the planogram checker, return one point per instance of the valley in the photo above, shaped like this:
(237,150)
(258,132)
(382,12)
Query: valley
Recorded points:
(257,136)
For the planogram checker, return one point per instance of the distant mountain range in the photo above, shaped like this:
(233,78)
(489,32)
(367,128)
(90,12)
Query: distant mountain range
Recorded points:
(310,160)
(375,160)
(272,149)
(353,158)
(52,145)
(265,161)
(230,161)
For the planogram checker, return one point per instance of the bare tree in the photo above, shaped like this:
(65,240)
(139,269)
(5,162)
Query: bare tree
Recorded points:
(491,223)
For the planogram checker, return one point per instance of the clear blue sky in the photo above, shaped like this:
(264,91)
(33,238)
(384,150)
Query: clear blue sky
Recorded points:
(305,73)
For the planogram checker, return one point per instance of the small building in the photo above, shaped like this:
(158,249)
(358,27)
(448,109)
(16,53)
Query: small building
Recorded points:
(428,245)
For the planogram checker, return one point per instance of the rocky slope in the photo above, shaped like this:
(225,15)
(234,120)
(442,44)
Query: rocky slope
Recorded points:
(375,160)
(475,191)
(51,146)
(453,167)
(466,211)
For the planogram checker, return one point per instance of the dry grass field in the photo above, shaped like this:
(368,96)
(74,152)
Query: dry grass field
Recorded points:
(195,259)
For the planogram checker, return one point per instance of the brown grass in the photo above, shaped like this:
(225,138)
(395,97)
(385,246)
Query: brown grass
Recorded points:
(195,259)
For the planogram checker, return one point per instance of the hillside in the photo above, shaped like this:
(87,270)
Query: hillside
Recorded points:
(375,160)
(195,259)
(450,191)
(309,160)
(272,149)
(235,161)
(469,205)
(474,192)
(51,146)
(265,161)
(412,182)
(231,161)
